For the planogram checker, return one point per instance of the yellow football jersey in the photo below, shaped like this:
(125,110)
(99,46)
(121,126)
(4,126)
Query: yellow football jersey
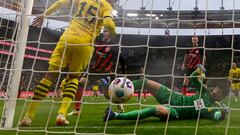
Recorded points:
(89,17)
(95,88)
(234,73)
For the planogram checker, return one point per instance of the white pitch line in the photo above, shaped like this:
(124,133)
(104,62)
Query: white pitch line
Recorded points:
(141,127)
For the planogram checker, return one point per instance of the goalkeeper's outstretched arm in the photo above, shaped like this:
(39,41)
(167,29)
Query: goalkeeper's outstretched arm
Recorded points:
(196,78)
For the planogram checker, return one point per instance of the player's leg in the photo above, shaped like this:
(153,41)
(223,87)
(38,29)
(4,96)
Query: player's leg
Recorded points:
(235,91)
(63,84)
(238,89)
(78,96)
(44,85)
(154,111)
(80,57)
(40,93)
(68,95)
(161,94)
(61,88)
(185,84)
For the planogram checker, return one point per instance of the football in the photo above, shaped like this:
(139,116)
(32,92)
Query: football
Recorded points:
(120,90)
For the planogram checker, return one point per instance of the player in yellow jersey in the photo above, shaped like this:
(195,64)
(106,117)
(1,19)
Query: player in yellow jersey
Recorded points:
(74,50)
(234,76)
(95,89)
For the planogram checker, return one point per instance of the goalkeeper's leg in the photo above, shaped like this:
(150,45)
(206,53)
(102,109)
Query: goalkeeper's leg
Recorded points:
(40,93)
(155,111)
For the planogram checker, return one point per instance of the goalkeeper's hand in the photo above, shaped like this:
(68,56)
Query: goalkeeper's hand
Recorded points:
(224,110)
(201,69)
(38,21)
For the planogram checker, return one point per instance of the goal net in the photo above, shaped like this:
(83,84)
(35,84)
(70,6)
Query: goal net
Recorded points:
(152,39)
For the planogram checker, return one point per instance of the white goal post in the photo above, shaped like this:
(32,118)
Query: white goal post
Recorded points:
(17,63)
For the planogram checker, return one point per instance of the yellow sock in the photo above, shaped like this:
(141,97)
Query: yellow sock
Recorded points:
(40,92)
(65,105)
(32,109)
(68,95)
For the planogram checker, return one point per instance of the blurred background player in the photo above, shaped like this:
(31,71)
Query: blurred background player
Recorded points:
(192,59)
(103,61)
(234,76)
(81,33)
(181,106)
(95,89)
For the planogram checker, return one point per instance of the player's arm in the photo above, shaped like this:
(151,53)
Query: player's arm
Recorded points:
(184,61)
(218,114)
(204,59)
(58,4)
(196,78)
(108,22)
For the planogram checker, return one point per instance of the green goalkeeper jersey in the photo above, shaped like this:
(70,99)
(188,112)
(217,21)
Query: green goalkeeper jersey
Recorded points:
(182,107)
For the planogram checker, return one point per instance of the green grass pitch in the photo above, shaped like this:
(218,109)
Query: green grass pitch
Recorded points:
(91,121)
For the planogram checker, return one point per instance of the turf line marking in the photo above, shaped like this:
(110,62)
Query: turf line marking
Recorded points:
(97,127)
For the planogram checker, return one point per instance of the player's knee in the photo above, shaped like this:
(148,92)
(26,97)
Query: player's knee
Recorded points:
(52,76)
(73,76)
(53,68)
(161,111)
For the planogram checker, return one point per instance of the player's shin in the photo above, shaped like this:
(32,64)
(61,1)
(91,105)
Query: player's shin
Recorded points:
(78,98)
(68,95)
(40,92)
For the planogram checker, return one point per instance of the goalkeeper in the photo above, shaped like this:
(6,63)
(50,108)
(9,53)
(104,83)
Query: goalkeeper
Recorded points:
(74,49)
(178,106)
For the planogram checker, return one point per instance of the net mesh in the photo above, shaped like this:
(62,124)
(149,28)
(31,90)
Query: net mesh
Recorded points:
(159,52)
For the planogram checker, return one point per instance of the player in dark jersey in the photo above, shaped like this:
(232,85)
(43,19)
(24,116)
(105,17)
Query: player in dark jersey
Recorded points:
(192,59)
(178,106)
(103,61)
